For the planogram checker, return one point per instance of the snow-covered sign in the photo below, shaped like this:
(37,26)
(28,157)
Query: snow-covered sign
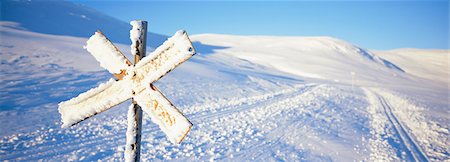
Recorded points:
(133,81)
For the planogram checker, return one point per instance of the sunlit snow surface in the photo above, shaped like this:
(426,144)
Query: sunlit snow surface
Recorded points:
(249,98)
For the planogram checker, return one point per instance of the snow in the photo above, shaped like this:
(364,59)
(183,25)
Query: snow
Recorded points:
(106,53)
(323,58)
(42,49)
(131,132)
(135,33)
(415,122)
(243,103)
(379,146)
(429,64)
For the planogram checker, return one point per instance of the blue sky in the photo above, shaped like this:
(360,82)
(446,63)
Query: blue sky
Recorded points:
(373,25)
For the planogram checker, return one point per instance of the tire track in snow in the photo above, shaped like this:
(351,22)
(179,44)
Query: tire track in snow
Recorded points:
(414,150)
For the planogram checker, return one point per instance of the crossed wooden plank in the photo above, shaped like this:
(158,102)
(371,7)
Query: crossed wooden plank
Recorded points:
(134,81)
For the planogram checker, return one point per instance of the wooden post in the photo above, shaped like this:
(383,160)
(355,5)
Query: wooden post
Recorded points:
(141,49)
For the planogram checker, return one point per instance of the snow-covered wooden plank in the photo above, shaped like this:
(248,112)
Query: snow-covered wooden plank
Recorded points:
(165,58)
(94,101)
(107,54)
(162,112)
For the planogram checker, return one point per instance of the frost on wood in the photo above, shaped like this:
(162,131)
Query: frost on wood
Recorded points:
(94,101)
(171,121)
(136,80)
(165,58)
(106,53)
(130,150)
(135,33)
(173,52)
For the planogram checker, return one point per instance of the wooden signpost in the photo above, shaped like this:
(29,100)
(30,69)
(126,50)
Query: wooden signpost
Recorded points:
(134,147)
(135,82)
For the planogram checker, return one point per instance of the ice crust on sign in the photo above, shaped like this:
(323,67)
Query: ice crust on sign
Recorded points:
(94,101)
(134,35)
(169,119)
(166,57)
(173,52)
(106,53)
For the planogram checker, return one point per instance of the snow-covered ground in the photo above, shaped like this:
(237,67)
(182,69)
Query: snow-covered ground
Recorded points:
(250,98)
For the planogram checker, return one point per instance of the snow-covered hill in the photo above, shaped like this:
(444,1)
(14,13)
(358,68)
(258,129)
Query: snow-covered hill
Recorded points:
(250,98)
(313,57)
(428,64)
(326,59)
(69,19)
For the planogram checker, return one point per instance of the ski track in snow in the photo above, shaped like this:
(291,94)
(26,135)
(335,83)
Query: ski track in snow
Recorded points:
(413,150)
(400,133)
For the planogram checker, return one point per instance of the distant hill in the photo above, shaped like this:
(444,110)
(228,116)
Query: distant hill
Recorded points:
(429,64)
(314,57)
